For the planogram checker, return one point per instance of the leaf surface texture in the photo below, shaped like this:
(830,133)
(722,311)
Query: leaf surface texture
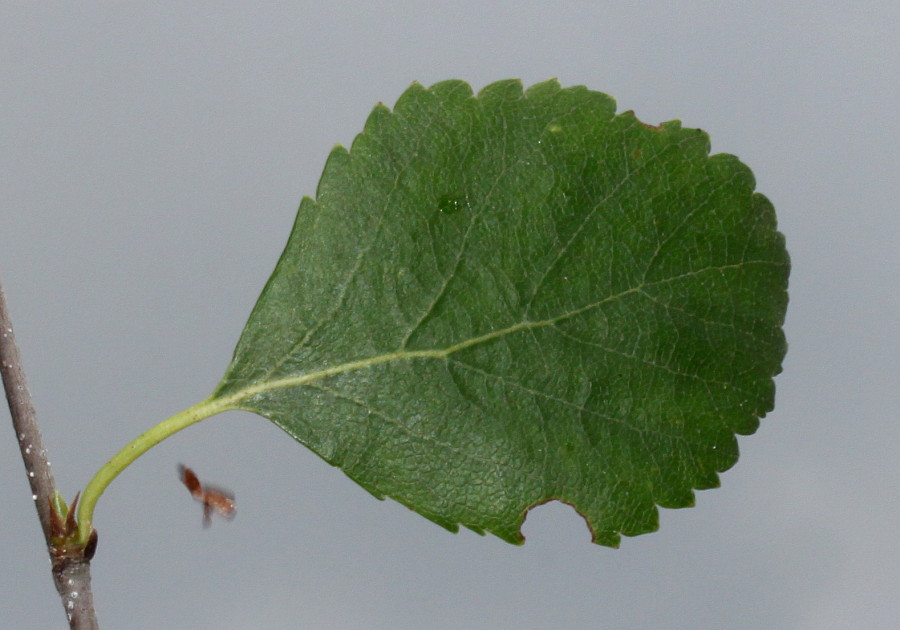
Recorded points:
(502,299)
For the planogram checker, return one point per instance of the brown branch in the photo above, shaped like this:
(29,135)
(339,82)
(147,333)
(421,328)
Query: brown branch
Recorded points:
(71,567)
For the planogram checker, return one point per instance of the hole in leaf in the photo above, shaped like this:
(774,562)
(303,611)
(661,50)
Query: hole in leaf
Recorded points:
(554,518)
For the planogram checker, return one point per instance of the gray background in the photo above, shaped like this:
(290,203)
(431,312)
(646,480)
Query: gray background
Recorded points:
(152,156)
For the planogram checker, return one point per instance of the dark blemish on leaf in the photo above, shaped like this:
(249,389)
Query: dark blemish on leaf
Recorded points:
(630,113)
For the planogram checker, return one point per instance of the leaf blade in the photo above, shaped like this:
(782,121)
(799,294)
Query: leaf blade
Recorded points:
(504,299)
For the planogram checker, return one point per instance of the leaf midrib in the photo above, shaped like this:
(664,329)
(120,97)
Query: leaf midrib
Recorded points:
(236,399)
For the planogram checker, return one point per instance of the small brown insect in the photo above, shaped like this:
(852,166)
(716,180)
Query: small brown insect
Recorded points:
(213,499)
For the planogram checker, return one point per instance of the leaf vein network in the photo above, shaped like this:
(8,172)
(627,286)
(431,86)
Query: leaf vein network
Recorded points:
(577,232)
(344,285)
(567,403)
(409,430)
(262,386)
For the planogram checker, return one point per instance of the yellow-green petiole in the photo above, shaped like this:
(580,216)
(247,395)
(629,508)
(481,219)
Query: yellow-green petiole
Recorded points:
(136,448)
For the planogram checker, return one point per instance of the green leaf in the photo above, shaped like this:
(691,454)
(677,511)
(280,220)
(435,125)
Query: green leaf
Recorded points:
(499,300)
